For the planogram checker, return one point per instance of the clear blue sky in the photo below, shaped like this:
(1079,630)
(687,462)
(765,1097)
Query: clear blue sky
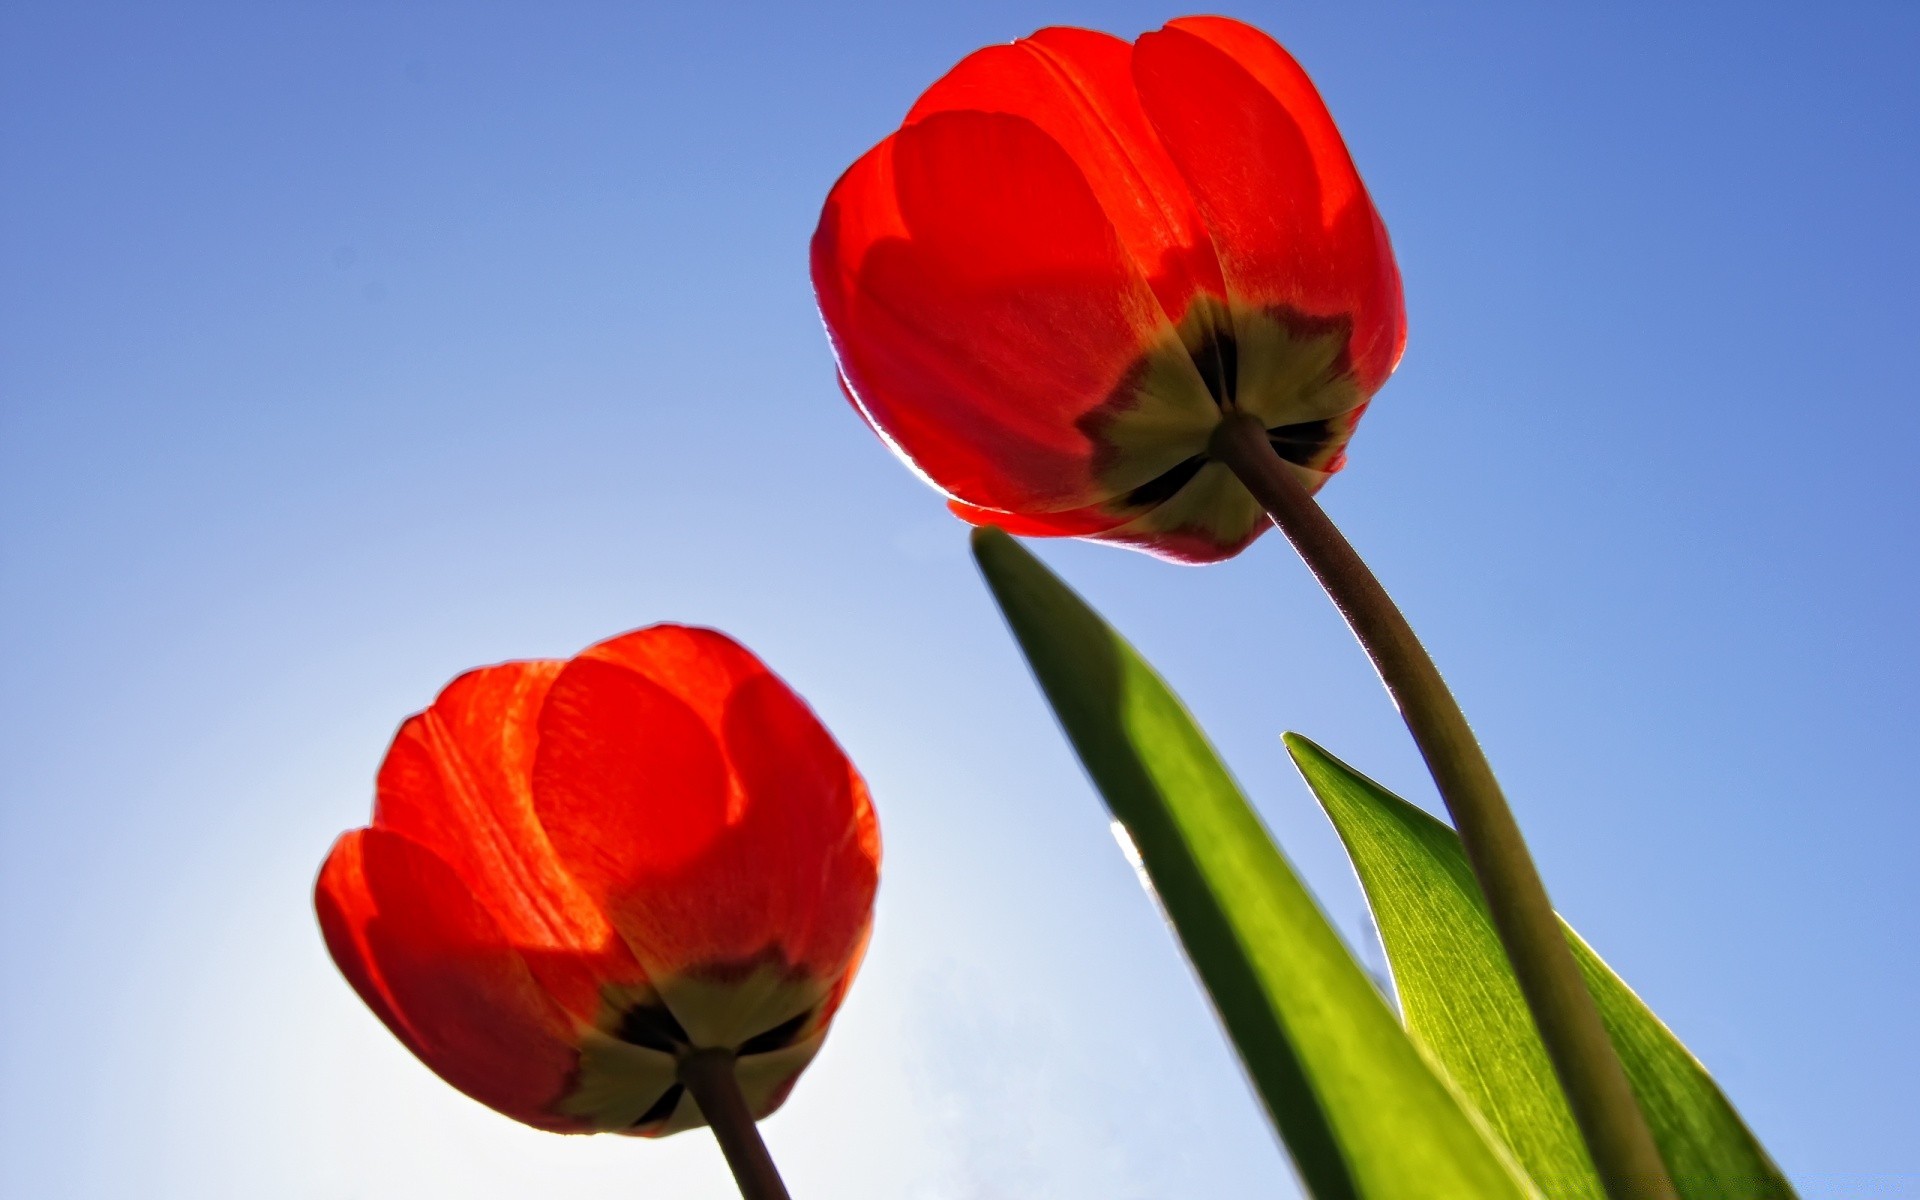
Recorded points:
(346,346)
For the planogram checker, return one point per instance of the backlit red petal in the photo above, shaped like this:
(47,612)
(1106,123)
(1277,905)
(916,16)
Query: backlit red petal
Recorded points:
(436,967)
(629,782)
(1083,522)
(1076,86)
(806,846)
(981,306)
(702,667)
(1290,220)
(457,780)
(700,802)
(345,908)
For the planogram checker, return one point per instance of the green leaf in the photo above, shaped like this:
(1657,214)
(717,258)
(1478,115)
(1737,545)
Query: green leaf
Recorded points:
(1462,1003)
(1363,1113)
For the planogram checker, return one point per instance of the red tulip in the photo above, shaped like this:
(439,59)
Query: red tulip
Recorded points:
(1046,289)
(580,871)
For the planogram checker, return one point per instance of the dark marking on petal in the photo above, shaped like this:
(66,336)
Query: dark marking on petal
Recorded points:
(778,1038)
(1302,443)
(652,1026)
(1302,353)
(663,1107)
(1162,488)
(1218,361)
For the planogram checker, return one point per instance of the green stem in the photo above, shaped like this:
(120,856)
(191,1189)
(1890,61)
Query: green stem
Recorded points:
(1583,1056)
(709,1076)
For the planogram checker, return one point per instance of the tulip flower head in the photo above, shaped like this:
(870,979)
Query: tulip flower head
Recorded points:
(1077,255)
(580,872)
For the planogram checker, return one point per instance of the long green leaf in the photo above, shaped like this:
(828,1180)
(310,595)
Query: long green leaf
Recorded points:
(1462,1003)
(1362,1112)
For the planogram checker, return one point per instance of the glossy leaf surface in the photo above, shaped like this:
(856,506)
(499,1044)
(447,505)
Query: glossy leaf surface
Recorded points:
(1361,1110)
(1461,1002)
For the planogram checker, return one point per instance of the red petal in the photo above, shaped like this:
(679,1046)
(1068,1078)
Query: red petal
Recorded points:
(696,798)
(344,906)
(806,848)
(1144,528)
(457,782)
(1076,86)
(435,967)
(981,305)
(837,994)
(702,667)
(629,782)
(1290,219)
(1084,522)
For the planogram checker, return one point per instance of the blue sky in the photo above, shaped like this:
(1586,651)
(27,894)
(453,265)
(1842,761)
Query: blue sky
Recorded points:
(346,346)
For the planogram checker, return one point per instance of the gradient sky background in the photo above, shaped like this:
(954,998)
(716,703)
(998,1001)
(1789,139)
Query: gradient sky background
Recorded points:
(347,346)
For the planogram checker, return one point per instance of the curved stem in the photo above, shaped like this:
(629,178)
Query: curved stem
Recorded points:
(709,1075)
(1583,1056)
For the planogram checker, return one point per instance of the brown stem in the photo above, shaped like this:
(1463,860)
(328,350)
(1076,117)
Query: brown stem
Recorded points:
(1583,1056)
(709,1075)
